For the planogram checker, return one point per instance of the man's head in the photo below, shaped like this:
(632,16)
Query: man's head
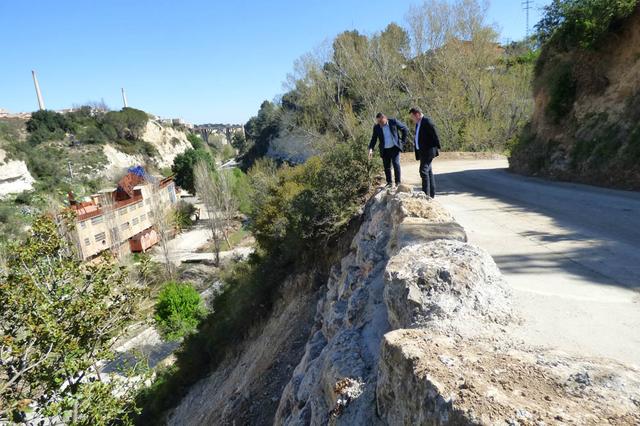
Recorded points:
(416,114)
(381,119)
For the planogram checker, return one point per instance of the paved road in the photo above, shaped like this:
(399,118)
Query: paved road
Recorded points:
(570,252)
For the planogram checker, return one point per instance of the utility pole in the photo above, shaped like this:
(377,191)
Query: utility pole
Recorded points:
(124,98)
(38,93)
(527,5)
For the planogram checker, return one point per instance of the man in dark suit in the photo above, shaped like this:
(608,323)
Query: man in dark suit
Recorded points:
(392,134)
(427,148)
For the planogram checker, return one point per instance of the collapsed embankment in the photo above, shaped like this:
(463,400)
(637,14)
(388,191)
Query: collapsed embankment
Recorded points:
(412,327)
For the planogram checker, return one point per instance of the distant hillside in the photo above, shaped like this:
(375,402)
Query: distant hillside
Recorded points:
(44,157)
(586,124)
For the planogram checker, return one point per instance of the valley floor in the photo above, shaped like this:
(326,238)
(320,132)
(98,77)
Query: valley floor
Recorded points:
(570,252)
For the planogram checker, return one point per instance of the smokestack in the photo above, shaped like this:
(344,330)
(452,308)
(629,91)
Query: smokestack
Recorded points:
(124,98)
(35,82)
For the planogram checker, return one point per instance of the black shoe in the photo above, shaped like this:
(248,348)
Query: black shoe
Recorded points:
(389,186)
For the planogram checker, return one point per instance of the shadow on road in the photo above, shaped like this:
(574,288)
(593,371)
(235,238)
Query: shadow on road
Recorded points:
(594,233)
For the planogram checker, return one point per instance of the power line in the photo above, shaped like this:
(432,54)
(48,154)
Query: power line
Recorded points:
(527,5)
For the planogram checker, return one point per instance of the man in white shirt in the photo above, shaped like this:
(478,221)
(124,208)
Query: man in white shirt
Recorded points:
(427,148)
(392,134)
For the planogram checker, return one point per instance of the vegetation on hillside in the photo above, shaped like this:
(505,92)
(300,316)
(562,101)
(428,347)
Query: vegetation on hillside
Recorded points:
(570,24)
(59,318)
(597,145)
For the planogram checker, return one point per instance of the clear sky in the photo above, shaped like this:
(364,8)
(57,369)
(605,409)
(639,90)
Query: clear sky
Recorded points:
(202,60)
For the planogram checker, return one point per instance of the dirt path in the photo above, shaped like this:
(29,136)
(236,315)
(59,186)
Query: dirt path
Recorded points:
(570,252)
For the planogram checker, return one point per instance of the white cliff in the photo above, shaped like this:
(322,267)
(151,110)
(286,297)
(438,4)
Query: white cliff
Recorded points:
(168,141)
(14,176)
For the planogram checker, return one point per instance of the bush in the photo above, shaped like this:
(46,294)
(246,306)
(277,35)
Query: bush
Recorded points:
(581,23)
(178,310)
(242,190)
(196,141)
(182,214)
(48,121)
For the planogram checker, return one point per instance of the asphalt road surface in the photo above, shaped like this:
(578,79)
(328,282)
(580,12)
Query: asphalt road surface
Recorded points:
(570,252)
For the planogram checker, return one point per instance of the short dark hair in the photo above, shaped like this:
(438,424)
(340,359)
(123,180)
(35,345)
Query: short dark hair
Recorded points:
(379,115)
(415,110)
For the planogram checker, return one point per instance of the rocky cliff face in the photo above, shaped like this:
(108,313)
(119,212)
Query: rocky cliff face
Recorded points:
(14,176)
(412,327)
(168,141)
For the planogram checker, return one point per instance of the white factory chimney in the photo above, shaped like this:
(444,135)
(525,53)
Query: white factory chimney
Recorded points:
(124,98)
(35,82)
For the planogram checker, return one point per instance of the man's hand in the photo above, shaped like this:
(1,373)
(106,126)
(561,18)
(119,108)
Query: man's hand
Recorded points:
(370,154)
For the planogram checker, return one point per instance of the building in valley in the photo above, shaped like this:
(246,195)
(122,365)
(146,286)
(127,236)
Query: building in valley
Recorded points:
(122,219)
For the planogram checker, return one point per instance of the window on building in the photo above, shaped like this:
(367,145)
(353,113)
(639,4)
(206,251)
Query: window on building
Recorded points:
(143,218)
(122,212)
(134,221)
(96,220)
(83,224)
(100,237)
(87,242)
(124,226)
(132,207)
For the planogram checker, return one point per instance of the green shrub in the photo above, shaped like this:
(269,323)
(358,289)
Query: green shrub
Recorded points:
(196,141)
(581,23)
(182,214)
(178,310)
(242,190)
(48,121)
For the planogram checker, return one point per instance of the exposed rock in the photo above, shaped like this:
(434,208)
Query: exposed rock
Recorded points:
(404,188)
(14,176)
(482,383)
(447,285)
(118,161)
(412,328)
(168,141)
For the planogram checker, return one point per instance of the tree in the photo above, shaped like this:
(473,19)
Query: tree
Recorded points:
(183,167)
(109,210)
(216,194)
(239,142)
(128,123)
(59,318)
(162,222)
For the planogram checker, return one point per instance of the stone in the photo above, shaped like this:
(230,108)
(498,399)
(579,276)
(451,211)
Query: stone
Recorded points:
(403,187)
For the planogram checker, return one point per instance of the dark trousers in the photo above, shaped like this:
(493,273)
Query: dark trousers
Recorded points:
(426,174)
(391,156)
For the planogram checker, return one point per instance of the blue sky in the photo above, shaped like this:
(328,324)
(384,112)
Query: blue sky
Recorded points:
(202,60)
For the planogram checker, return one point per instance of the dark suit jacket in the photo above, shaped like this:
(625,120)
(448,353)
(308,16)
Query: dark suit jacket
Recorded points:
(428,140)
(395,125)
